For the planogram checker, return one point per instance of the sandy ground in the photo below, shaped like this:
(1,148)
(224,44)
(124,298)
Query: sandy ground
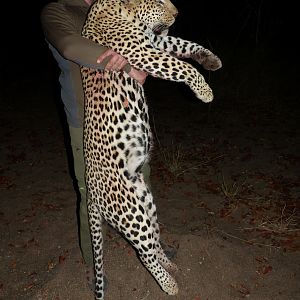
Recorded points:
(225,177)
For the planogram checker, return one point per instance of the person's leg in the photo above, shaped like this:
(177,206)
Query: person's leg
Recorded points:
(146,172)
(76,135)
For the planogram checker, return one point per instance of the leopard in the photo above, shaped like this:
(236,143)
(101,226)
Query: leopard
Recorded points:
(118,140)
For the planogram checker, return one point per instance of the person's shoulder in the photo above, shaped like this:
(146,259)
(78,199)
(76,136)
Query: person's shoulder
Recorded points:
(62,6)
(53,8)
(55,5)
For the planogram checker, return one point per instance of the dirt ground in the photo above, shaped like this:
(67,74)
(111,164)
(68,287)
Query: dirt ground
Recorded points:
(225,177)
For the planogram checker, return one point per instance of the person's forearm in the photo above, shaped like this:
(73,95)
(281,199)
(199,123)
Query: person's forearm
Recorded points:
(82,51)
(64,35)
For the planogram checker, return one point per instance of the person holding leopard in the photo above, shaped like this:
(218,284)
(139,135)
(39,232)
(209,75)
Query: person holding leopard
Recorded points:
(62,22)
(117,133)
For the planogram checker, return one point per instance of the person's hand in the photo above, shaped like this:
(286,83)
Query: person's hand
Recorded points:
(139,76)
(118,62)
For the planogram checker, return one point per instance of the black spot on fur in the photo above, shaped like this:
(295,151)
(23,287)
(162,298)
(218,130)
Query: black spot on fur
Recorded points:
(139,218)
(121,164)
(121,146)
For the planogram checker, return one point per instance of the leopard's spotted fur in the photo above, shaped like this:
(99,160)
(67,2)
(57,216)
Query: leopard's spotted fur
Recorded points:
(117,135)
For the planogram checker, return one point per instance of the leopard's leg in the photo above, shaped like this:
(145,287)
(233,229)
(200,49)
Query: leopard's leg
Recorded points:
(135,162)
(162,257)
(185,49)
(150,208)
(141,235)
(95,221)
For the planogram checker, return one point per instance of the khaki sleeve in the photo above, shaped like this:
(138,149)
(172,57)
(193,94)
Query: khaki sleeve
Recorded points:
(62,32)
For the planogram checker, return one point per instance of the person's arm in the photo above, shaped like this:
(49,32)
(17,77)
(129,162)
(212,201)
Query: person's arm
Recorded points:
(116,62)
(62,32)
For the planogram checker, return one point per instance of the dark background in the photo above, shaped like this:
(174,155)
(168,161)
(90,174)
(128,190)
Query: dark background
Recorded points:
(255,39)
(251,37)
(249,134)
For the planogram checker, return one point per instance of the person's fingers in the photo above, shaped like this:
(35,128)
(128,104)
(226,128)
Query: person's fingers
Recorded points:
(143,78)
(105,54)
(112,63)
(116,62)
(139,76)
(123,63)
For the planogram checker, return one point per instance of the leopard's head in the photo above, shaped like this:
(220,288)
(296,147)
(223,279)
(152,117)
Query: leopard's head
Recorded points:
(158,15)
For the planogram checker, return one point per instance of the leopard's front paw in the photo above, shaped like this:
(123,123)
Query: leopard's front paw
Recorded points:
(212,62)
(208,60)
(203,92)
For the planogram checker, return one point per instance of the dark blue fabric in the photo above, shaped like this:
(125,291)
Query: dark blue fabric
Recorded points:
(68,95)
